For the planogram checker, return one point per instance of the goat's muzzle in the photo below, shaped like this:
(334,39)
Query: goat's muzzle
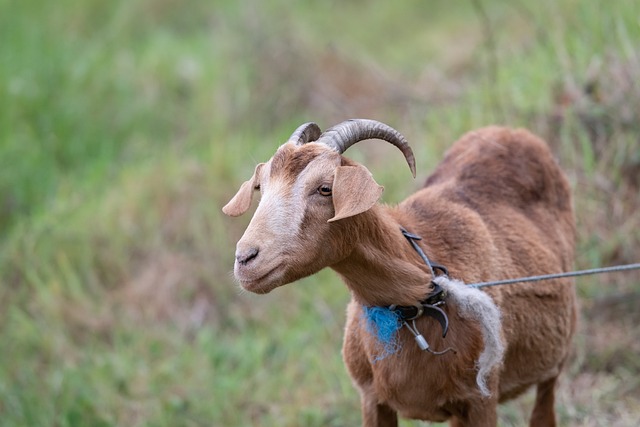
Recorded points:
(255,272)
(247,255)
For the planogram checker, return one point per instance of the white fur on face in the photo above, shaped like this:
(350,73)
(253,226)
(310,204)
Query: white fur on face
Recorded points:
(280,211)
(282,207)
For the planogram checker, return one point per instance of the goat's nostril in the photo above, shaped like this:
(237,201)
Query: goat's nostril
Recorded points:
(243,257)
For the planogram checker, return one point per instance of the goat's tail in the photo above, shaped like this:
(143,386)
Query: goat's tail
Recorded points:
(478,305)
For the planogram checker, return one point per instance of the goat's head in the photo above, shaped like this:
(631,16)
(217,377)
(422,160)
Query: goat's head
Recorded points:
(306,188)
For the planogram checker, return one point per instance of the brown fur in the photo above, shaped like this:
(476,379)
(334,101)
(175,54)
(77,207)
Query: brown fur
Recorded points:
(289,162)
(496,207)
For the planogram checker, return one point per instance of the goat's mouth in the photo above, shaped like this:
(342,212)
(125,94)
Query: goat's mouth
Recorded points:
(263,284)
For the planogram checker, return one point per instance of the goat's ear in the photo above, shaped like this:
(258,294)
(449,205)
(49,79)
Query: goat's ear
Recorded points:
(240,203)
(354,191)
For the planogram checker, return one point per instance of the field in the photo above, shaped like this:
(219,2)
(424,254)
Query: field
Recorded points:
(125,126)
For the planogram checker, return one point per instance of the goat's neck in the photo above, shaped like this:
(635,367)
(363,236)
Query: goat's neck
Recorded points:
(383,267)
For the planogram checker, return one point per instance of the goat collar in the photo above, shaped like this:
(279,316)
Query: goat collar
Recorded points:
(413,238)
(385,322)
(429,305)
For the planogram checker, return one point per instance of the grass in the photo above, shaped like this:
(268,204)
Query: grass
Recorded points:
(125,126)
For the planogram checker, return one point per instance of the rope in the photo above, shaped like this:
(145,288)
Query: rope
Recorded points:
(558,275)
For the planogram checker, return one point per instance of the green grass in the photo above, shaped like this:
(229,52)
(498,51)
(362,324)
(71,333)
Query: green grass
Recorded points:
(125,126)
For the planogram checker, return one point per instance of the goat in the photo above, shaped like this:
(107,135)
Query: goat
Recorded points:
(497,206)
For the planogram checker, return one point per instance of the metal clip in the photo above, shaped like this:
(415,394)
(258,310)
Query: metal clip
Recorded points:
(423,344)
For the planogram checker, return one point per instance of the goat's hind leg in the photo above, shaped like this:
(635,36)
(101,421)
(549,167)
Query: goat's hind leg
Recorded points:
(543,412)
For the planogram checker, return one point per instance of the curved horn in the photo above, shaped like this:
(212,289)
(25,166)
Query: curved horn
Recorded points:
(307,132)
(344,135)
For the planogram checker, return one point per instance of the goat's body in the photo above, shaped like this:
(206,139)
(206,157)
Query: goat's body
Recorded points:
(497,207)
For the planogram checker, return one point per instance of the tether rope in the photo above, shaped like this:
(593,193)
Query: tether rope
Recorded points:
(558,275)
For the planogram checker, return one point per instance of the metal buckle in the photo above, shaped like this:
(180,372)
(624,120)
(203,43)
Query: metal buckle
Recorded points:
(420,308)
(402,311)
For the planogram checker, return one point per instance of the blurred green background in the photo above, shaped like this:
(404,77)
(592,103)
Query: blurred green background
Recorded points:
(126,125)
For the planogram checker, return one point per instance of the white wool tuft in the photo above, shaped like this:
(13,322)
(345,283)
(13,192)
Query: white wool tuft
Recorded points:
(477,305)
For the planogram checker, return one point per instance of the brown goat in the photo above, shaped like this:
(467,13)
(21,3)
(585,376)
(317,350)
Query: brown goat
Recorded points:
(497,207)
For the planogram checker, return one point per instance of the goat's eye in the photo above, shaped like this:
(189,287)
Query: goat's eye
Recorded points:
(324,190)
(257,187)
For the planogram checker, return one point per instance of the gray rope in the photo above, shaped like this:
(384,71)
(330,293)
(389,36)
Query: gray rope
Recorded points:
(558,275)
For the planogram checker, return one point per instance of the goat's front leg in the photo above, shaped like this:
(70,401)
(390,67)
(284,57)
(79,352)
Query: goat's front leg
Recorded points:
(481,413)
(376,414)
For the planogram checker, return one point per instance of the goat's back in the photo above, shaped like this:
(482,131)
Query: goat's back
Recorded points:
(499,207)
(510,179)
(497,165)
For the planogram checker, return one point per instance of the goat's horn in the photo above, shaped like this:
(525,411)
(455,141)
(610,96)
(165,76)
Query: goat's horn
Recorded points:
(307,132)
(347,133)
